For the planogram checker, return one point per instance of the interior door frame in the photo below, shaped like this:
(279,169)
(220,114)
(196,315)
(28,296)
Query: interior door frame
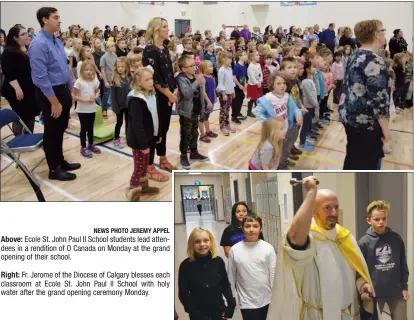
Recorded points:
(175,20)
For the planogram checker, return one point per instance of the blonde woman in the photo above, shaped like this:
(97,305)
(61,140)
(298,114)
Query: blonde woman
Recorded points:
(203,281)
(346,38)
(156,54)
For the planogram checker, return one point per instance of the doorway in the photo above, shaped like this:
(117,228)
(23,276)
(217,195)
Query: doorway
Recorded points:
(189,202)
(181,27)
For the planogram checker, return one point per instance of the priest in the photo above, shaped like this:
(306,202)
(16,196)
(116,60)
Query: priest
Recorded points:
(317,265)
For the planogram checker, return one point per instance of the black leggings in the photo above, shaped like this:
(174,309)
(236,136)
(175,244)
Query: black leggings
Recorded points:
(86,120)
(250,105)
(119,122)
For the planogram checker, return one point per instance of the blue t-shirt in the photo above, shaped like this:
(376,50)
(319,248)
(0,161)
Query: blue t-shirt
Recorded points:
(212,58)
(240,71)
(210,87)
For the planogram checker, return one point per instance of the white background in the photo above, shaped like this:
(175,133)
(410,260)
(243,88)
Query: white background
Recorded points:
(395,14)
(64,219)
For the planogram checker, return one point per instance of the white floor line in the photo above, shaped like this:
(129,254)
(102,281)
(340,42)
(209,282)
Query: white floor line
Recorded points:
(50,185)
(233,137)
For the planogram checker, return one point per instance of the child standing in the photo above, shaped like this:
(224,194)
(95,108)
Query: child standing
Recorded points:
(210,98)
(338,76)
(347,55)
(188,47)
(86,91)
(197,57)
(310,102)
(209,55)
(107,64)
(384,252)
(408,88)
(329,85)
(225,88)
(121,48)
(119,93)
(400,60)
(254,84)
(190,107)
(269,150)
(143,128)
(268,69)
(203,281)
(251,268)
(240,79)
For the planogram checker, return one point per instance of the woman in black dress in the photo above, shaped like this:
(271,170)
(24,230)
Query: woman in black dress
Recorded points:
(18,87)
(156,54)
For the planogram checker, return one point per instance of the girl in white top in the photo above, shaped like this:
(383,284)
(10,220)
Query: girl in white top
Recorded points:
(225,88)
(68,47)
(254,84)
(251,271)
(86,91)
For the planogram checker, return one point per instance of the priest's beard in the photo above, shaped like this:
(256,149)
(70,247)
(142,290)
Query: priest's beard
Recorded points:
(328,223)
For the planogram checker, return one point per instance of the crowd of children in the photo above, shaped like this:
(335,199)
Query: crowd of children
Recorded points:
(291,80)
(203,280)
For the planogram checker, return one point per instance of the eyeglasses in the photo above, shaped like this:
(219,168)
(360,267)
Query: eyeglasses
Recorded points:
(23,34)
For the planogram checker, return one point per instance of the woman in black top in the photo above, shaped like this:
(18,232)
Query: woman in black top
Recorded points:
(203,281)
(18,87)
(157,55)
(346,38)
(234,232)
(397,43)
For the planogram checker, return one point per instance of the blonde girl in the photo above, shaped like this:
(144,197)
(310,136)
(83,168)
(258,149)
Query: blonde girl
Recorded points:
(254,84)
(132,43)
(225,88)
(202,251)
(73,62)
(68,47)
(210,98)
(269,150)
(134,62)
(142,131)
(86,91)
(119,92)
(251,47)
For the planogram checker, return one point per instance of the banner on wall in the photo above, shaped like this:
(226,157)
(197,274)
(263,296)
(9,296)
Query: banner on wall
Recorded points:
(152,3)
(297,3)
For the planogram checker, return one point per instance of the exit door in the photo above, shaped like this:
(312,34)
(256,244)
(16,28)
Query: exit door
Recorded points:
(181,26)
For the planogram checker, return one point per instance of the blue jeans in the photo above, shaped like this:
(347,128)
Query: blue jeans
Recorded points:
(106,99)
(307,125)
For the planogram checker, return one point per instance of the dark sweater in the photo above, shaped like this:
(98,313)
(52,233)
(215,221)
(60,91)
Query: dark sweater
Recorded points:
(140,134)
(119,95)
(387,263)
(399,76)
(346,41)
(201,286)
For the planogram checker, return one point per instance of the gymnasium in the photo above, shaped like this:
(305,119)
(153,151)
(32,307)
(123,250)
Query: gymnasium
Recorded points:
(276,198)
(105,176)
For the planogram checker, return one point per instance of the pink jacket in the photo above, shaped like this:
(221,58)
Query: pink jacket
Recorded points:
(328,79)
(338,70)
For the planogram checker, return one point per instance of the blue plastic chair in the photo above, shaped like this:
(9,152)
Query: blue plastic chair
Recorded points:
(26,142)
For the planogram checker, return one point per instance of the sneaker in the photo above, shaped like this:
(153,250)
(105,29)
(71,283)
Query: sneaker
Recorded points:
(211,134)
(230,129)
(235,120)
(293,157)
(295,151)
(307,146)
(312,137)
(241,117)
(224,131)
(86,152)
(251,114)
(398,110)
(197,157)
(204,138)
(290,163)
(94,149)
(315,133)
(105,114)
(184,162)
(387,150)
(319,125)
(118,143)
